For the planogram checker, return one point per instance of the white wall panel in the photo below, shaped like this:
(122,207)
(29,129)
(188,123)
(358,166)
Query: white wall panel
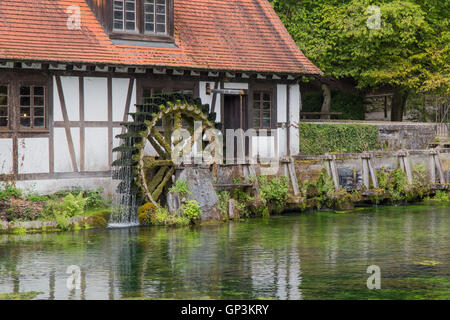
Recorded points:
(294,115)
(96,99)
(6,156)
(119,97)
(63,161)
(71,89)
(281,103)
(33,155)
(234,85)
(57,114)
(207,99)
(133,100)
(97,149)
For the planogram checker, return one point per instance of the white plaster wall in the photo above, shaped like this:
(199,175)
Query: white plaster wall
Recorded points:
(281,103)
(264,147)
(119,97)
(207,99)
(50,186)
(281,118)
(235,85)
(6,156)
(70,87)
(133,101)
(95,99)
(294,116)
(33,155)
(63,161)
(96,149)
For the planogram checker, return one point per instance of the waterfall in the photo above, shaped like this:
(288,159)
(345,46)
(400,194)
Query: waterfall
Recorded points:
(124,212)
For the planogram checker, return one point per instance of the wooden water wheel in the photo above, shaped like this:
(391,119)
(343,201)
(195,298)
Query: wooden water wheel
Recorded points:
(154,174)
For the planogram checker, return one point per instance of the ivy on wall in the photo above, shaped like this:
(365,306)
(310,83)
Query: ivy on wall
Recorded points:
(316,139)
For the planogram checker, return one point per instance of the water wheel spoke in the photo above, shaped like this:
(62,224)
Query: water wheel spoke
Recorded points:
(159,190)
(160,139)
(157,179)
(152,163)
(157,148)
(168,128)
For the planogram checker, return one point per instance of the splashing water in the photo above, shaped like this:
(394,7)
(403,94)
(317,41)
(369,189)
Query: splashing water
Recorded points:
(124,213)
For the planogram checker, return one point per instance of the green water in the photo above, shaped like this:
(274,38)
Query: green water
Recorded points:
(305,256)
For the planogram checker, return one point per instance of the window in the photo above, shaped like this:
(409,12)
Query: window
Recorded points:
(262,110)
(32,107)
(155,16)
(144,18)
(4,106)
(124,15)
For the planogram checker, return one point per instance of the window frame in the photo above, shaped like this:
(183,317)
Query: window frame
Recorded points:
(8,107)
(139,34)
(261,118)
(32,85)
(271,88)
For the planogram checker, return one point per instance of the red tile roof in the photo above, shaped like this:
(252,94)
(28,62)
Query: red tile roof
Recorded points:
(231,35)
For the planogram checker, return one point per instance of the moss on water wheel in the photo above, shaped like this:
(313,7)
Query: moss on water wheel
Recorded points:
(153,175)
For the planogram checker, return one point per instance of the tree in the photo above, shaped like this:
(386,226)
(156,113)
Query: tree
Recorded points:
(408,50)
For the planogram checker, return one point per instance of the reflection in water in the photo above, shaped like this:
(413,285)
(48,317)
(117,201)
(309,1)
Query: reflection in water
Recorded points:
(308,256)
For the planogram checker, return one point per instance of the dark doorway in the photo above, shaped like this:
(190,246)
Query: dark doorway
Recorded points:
(235,117)
(235,112)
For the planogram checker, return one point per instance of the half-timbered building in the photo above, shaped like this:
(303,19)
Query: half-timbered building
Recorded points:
(72,70)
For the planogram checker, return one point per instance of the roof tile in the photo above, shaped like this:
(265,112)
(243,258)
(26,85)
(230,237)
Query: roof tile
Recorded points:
(233,35)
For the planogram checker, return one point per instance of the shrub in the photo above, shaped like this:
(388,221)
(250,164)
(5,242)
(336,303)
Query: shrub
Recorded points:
(318,139)
(181,187)
(274,192)
(145,213)
(94,199)
(192,210)
(162,217)
(224,200)
(8,190)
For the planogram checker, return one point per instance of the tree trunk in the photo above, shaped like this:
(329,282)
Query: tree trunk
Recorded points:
(326,101)
(398,104)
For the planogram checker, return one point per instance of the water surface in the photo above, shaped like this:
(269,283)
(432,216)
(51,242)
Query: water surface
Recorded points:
(305,256)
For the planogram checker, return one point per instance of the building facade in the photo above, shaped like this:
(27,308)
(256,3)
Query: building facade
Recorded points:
(71,71)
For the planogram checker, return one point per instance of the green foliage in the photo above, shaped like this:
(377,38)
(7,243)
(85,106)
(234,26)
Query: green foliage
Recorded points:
(9,190)
(410,49)
(192,210)
(351,106)
(441,197)
(224,200)
(318,139)
(162,217)
(94,198)
(181,187)
(19,231)
(37,198)
(274,192)
(242,199)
